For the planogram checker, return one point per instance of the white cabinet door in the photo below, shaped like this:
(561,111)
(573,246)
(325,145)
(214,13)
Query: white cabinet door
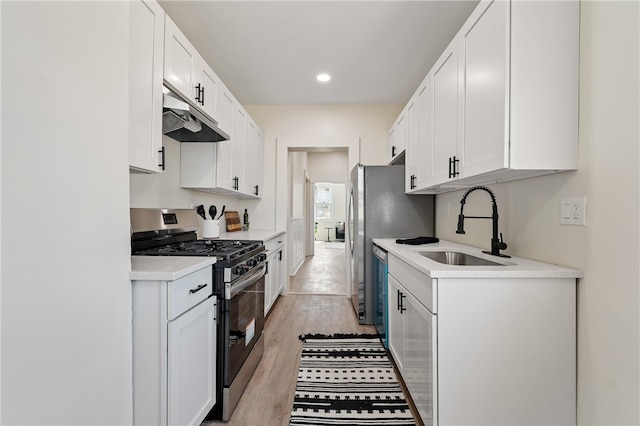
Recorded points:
(191,365)
(420,361)
(443,146)
(248,174)
(391,141)
(146,45)
(258,163)
(484,47)
(270,282)
(224,108)
(411,150)
(400,139)
(280,276)
(397,140)
(238,146)
(208,90)
(396,322)
(423,155)
(180,61)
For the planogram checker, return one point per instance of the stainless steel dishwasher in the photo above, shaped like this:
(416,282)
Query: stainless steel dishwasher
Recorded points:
(380,285)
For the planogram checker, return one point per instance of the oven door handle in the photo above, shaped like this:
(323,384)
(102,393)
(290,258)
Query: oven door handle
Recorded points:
(248,281)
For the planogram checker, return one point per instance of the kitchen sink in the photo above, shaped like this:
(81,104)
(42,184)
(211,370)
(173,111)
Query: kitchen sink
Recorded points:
(457,258)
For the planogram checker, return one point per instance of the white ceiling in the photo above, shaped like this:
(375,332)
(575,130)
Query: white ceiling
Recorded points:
(269,52)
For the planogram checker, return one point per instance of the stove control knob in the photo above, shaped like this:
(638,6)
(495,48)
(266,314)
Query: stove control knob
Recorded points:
(239,270)
(252,262)
(261,257)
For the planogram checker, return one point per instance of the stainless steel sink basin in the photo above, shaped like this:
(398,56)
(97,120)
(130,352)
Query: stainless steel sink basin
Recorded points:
(457,258)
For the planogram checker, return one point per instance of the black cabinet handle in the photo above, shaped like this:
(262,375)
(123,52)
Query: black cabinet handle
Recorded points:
(202,95)
(393,151)
(280,255)
(401,297)
(256,191)
(413,181)
(162,163)
(197,289)
(236,183)
(198,86)
(453,167)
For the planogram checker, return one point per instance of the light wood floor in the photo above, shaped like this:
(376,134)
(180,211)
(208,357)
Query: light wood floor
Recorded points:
(323,273)
(268,399)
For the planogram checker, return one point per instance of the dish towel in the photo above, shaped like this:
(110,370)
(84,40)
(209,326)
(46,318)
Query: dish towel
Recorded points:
(417,241)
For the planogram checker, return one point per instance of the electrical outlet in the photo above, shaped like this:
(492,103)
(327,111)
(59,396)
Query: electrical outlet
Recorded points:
(573,211)
(257,211)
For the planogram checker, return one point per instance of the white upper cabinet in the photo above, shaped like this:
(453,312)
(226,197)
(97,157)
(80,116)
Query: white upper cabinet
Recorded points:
(146,43)
(232,167)
(413,132)
(258,162)
(443,144)
(224,108)
(503,97)
(422,154)
(483,47)
(207,88)
(397,141)
(180,62)
(253,161)
(186,72)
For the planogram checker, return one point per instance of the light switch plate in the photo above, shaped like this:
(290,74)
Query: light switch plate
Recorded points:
(573,211)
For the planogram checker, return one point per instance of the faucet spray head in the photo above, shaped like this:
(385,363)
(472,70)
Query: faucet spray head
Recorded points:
(460,229)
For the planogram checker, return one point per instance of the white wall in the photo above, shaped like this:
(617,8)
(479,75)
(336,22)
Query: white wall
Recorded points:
(66,295)
(328,166)
(607,249)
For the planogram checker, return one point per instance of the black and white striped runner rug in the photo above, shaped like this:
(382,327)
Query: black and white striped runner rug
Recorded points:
(347,380)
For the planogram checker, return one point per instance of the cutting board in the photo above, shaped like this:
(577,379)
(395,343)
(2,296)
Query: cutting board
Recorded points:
(233,221)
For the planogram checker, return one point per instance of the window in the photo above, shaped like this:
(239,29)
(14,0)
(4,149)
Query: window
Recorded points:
(323,204)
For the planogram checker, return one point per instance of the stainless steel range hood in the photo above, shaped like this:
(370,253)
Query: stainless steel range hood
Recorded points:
(184,123)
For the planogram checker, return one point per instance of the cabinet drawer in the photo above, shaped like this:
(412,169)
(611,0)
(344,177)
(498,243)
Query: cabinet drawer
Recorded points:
(188,291)
(421,286)
(274,244)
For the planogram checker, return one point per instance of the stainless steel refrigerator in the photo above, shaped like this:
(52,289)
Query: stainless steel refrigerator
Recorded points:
(379,208)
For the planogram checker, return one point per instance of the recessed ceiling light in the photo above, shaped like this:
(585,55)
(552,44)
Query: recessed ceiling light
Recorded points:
(323,77)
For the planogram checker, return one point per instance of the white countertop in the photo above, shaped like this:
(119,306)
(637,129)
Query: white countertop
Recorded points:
(514,267)
(166,268)
(251,234)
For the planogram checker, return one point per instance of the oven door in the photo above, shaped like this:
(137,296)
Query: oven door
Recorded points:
(246,319)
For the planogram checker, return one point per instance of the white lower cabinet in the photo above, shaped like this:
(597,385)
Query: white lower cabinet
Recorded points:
(174,350)
(412,343)
(274,280)
(484,351)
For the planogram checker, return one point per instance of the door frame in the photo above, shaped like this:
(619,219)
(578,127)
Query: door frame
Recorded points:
(306,144)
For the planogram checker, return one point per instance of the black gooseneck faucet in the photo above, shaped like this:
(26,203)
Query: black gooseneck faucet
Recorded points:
(496,243)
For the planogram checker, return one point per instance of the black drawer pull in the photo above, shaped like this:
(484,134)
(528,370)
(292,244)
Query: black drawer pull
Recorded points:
(197,289)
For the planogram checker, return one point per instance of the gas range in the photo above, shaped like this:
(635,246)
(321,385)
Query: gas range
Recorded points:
(172,232)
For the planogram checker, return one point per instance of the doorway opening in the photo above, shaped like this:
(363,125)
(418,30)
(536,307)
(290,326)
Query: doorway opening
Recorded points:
(303,163)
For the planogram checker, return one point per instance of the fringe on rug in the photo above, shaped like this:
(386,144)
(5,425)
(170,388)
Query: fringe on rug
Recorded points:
(304,337)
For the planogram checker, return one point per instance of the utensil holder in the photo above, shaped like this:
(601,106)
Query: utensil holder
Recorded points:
(211,228)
